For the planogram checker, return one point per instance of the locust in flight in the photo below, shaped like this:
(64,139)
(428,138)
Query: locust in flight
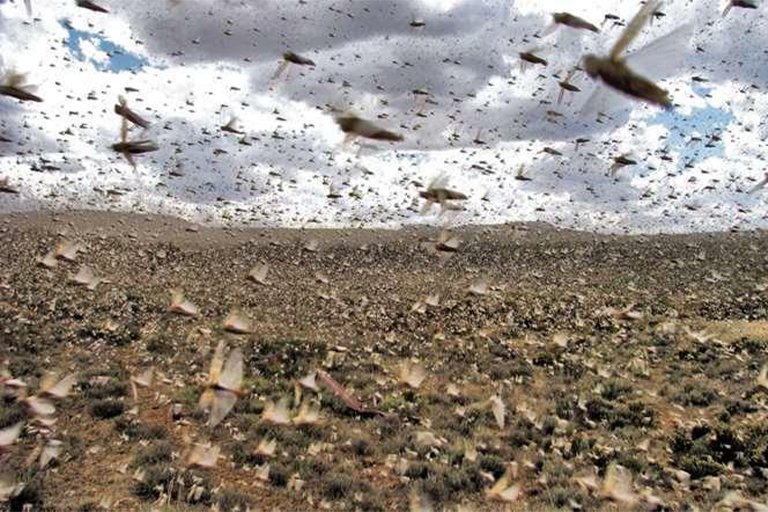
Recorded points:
(126,147)
(629,74)
(354,127)
(14,85)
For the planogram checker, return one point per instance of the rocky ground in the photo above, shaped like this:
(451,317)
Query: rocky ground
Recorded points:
(628,367)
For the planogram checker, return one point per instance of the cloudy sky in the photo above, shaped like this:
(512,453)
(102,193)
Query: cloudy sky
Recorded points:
(189,66)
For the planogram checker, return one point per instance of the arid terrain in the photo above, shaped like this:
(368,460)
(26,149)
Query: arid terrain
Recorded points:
(628,367)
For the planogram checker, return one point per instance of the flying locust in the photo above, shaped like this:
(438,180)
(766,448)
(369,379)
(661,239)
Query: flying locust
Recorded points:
(628,74)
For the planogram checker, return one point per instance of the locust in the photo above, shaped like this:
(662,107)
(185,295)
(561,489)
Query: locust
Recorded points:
(289,58)
(566,86)
(126,147)
(354,127)
(620,162)
(14,85)
(615,71)
(91,6)
(567,19)
(232,126)
(529,57)
(121,109)
(744,4)
(438,192)
(224,384)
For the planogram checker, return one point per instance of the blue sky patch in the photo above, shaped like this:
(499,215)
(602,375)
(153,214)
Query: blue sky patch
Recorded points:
(705,122)
(119,58)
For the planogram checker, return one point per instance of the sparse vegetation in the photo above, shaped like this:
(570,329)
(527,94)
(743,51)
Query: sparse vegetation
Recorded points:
(107,408)
(154,454)
(570,411)
(233,501)
(136,430)
(337,486)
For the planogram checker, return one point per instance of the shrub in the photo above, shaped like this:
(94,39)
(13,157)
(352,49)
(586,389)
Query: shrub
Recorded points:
(106,409)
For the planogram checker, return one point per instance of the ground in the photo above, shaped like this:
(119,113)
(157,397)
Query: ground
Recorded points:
(637,351)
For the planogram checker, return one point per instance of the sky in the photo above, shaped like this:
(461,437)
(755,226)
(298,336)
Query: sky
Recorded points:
(189,66)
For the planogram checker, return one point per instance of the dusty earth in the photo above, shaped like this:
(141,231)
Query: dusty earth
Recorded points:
(636,352)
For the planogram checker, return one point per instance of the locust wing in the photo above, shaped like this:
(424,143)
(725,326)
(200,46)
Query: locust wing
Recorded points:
(634,28)
(217,363)
(656,60)
(223,402)
(232,375)
(662,57)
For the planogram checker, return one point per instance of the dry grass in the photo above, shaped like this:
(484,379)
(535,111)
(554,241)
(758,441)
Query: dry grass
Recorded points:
(584,387)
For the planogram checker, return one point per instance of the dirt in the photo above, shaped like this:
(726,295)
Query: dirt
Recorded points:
(638,351)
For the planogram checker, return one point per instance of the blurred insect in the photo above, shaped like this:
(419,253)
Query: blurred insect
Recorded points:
(91,6)
(422,98)
(40,404)
(232,126)
(6,187)
(620,162)
(553,116)
(760,185)
(14,85)
(617,486)
(266,448)
(333,192)
(51,450)
(354,127)
(289,58)
(143,380)
(611,17)
(419,502)
(9,381)
(121,109)
(569,20)
(412,374)
(438,192)
(530,57)
(579,141)
(521,174)
(623,74)
(446,243)
(237,322)
(9,489)
(49,260)
(276,413)
(258,274)
(427,301)
(309,382)
(8,435)
(744,4)
(182,306)
(87,277)
(308,414)
(224,384)
(499,410)
(479,138)
(762,378)
(128,148)
(478,287)
(566,86)
(67,250)
(204,456)
(657,15)
(345,396)
(504,490)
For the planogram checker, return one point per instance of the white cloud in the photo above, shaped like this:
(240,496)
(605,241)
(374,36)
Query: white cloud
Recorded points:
(212,60)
